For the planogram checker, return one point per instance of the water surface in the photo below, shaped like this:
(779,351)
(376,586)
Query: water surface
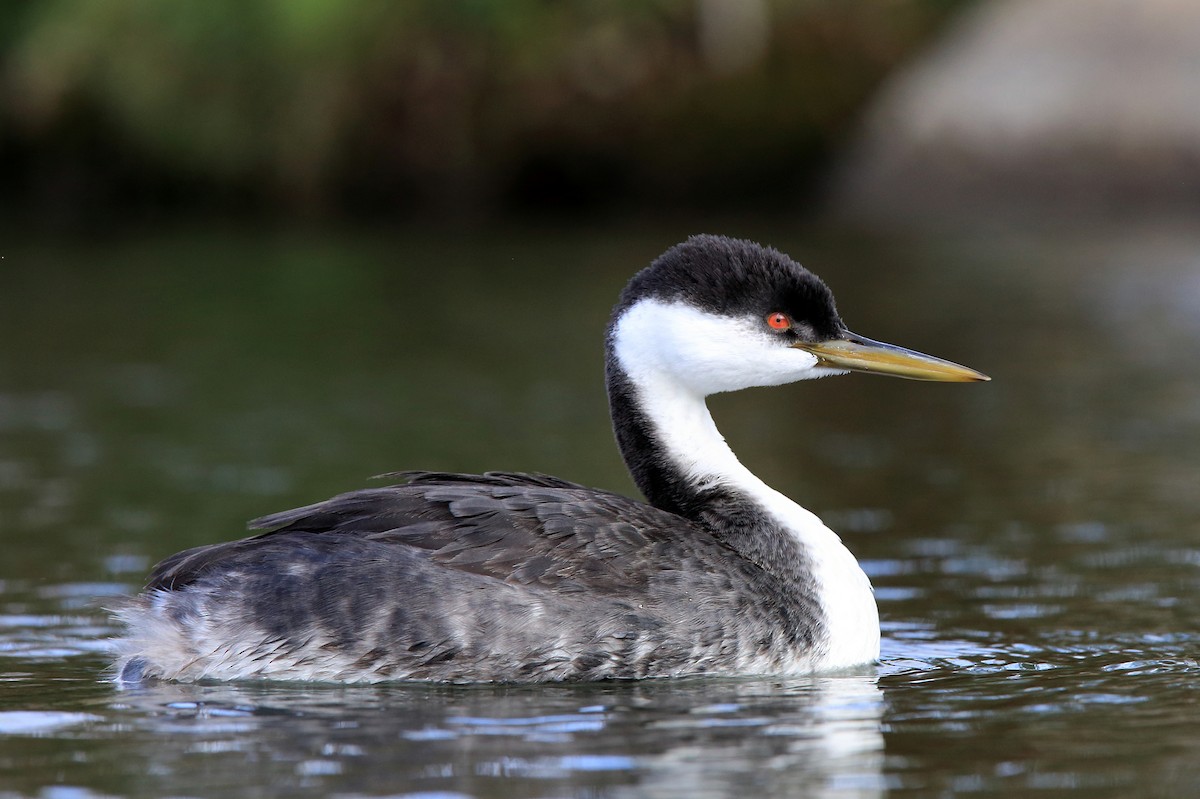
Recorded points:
(1033,541)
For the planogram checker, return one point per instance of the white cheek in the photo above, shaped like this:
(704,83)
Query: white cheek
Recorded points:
(729,360)
(707,353)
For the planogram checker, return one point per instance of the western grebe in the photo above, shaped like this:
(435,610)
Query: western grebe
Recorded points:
(524,577)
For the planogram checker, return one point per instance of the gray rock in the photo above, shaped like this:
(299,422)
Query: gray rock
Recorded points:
(1036,107)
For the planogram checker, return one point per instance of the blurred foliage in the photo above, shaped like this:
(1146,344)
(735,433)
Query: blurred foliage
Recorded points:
(449,106)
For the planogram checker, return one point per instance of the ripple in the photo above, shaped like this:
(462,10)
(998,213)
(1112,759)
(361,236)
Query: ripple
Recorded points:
(51,637)
(40,722)
(536,725)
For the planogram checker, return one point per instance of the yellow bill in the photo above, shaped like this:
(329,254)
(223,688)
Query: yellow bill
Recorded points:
(857,354)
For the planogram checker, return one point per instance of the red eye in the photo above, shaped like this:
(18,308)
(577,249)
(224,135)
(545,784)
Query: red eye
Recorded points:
(779,321)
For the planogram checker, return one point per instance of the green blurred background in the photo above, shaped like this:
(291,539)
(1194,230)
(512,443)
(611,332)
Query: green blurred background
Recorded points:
(128,111)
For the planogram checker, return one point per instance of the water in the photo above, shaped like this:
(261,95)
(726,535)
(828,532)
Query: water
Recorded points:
(1033,541)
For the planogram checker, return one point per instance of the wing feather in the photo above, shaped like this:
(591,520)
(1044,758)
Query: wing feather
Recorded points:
(529,530)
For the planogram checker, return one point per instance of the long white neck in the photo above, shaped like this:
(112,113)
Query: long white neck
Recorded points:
(679,459)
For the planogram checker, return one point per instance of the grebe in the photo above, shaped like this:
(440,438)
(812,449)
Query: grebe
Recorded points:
(525,577)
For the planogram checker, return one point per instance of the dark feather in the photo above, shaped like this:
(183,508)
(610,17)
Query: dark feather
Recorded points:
(602,574)
(522,529)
